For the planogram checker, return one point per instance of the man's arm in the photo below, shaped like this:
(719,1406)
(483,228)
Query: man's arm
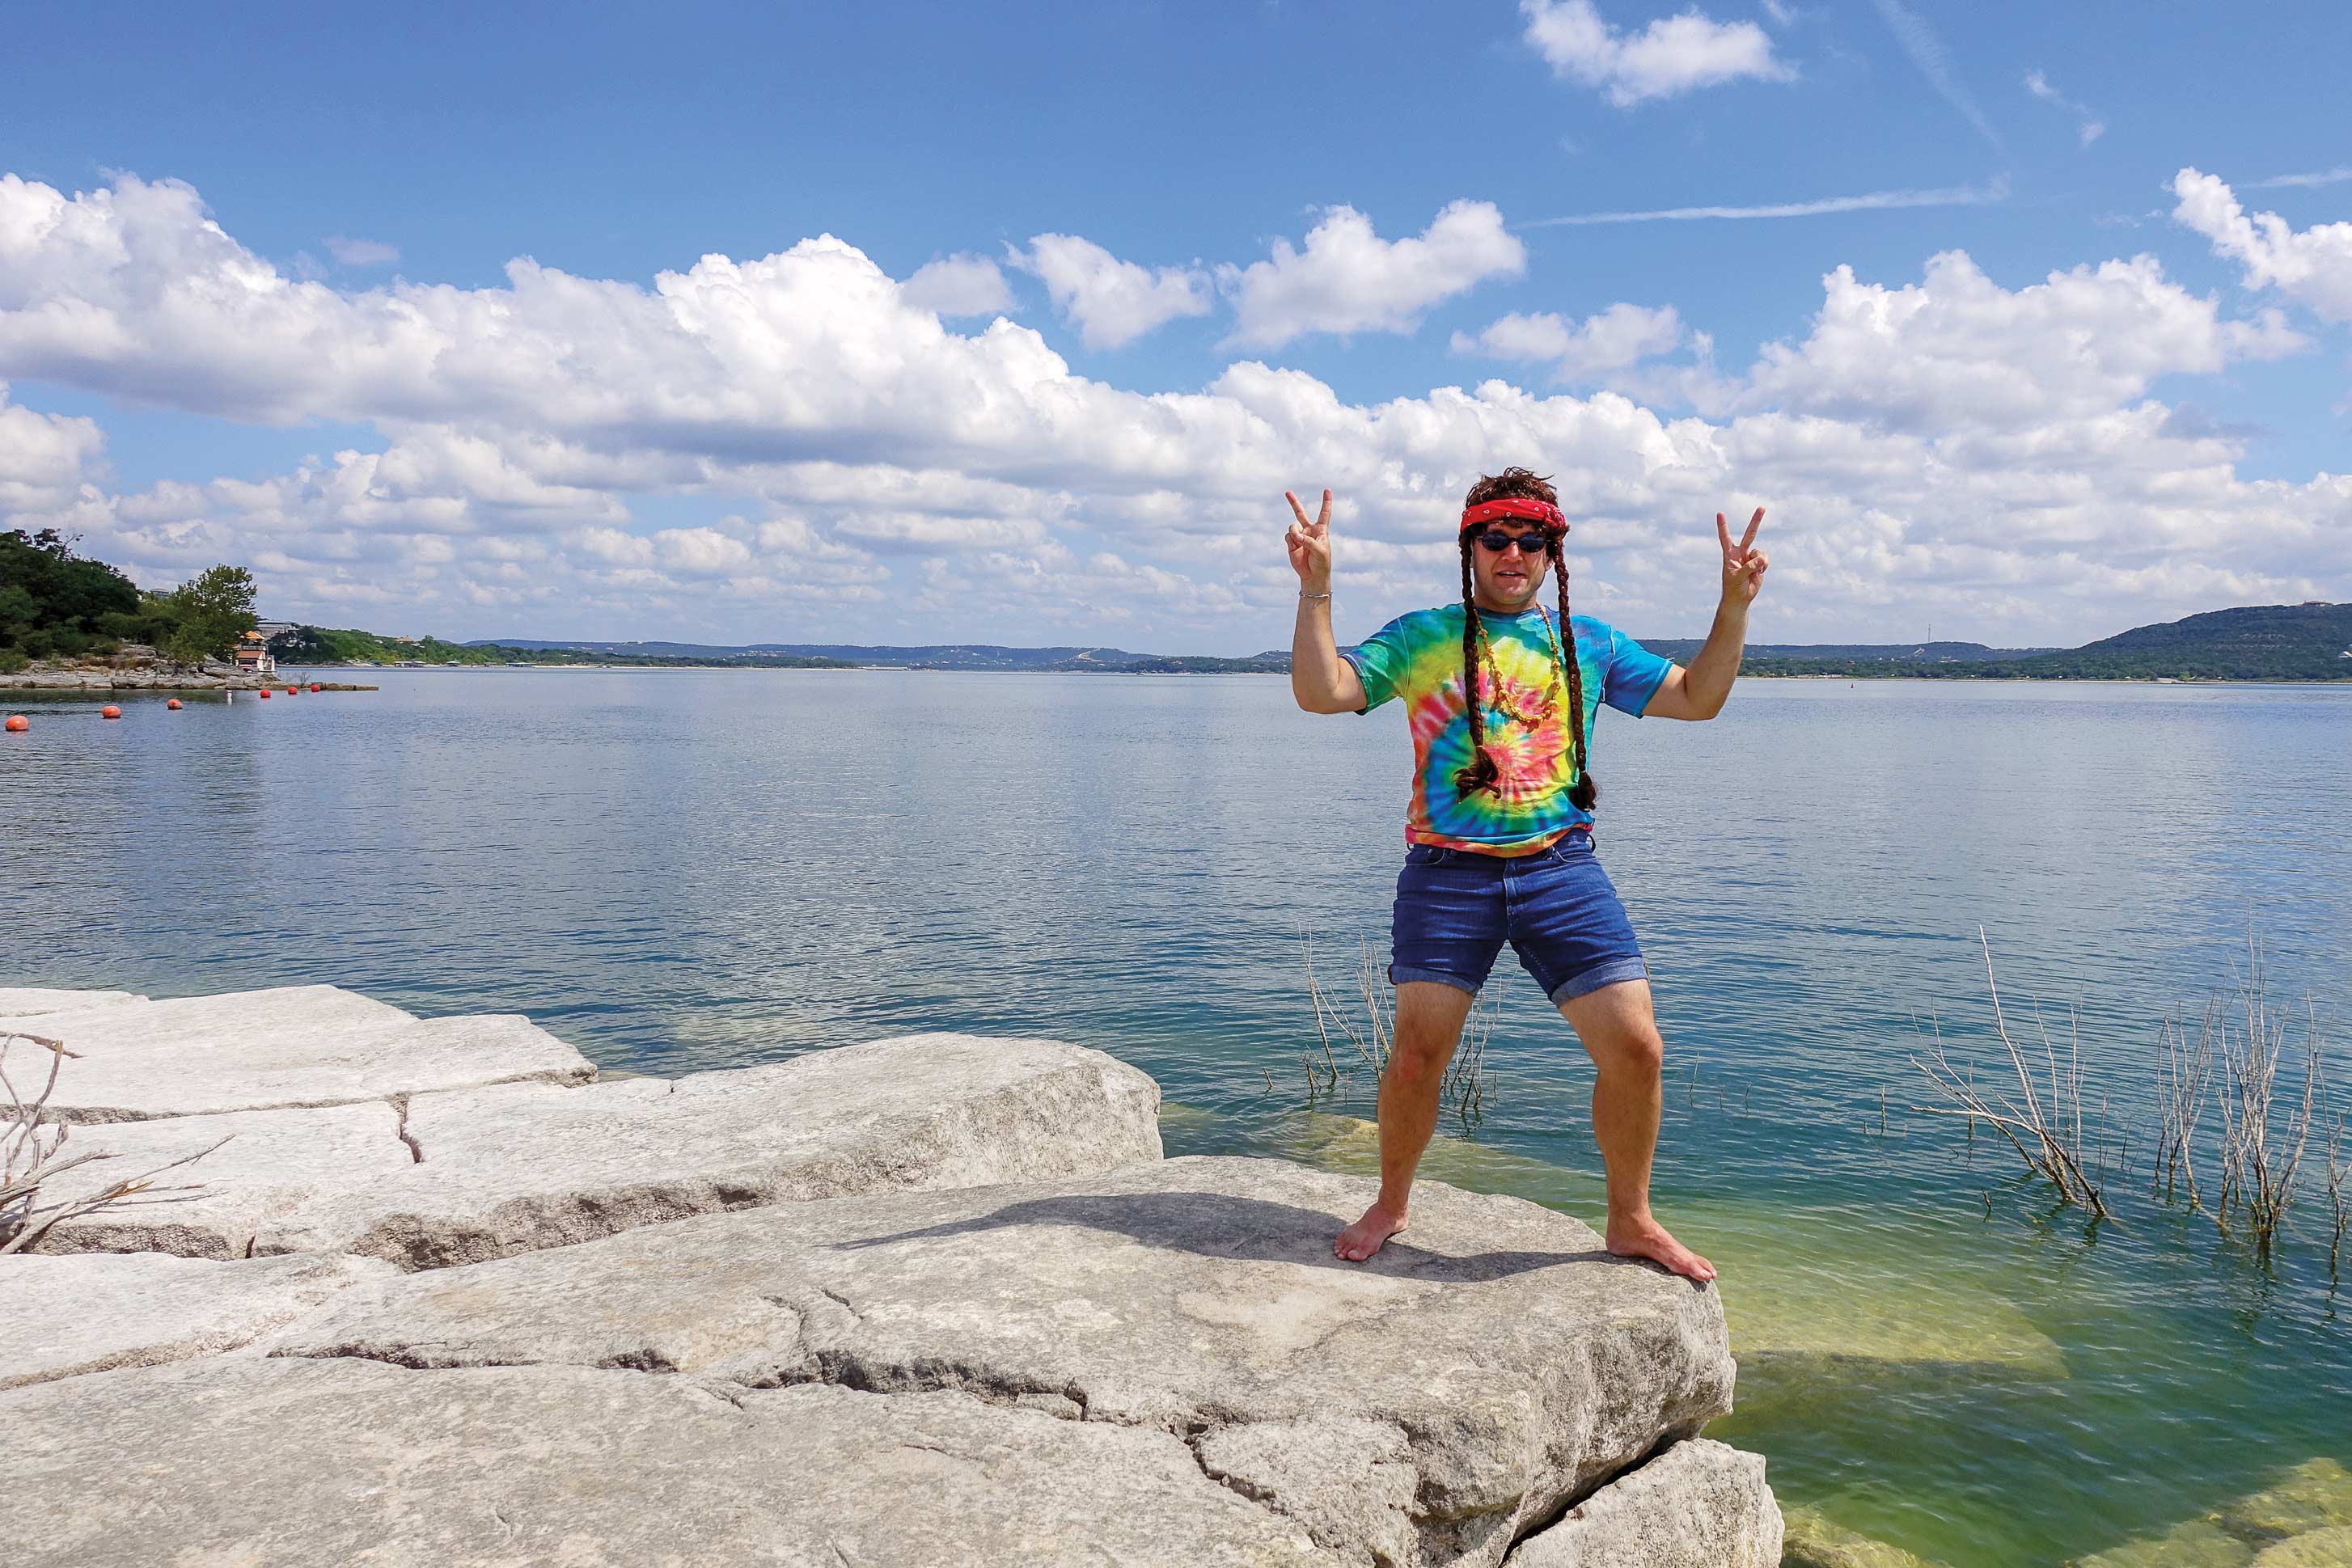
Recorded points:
(1701,691)
(1321,680)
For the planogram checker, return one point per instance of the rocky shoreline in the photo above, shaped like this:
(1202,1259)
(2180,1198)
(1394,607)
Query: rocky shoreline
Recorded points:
(134,672)
(446,1297)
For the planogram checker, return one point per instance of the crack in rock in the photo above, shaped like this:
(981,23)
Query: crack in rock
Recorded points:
(415,1153)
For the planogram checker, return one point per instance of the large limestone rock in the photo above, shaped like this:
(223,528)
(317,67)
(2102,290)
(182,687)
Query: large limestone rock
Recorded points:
(18,1003)
(69,1316)
(1487,1368)
(469,1174)
(252,1170)
(295,1464)
(294,1046)
(1698,1505)
(523,1167)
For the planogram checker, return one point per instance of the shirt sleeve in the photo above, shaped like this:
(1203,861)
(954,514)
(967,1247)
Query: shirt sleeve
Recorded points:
(1634,675)
(1378,660)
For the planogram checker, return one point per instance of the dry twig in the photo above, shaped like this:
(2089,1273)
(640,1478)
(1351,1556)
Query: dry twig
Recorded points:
(2047,1136)
(32,1151)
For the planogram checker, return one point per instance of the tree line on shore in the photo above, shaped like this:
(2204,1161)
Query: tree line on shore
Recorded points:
(56,604)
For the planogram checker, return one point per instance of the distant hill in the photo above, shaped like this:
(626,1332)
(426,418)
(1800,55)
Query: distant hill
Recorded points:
(932,657)
(2311,641)
(327,645)
(2259,642)
(1683,648)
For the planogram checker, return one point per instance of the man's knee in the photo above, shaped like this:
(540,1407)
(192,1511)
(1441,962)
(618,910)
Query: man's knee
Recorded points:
(1417,1056)
(1638,1049)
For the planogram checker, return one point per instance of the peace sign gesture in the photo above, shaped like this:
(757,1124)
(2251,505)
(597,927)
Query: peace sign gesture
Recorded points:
(1310,544)
(1743,563)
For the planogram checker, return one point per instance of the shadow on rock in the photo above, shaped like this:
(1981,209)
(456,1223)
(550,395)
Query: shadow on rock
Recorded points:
(1217,1224)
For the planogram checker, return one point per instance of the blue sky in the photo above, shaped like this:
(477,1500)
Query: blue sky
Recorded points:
(2175,455)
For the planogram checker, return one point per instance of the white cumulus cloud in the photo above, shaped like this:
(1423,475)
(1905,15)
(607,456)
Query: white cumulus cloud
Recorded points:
(2311,267)
(787,448)
(1673,54)
(1956,349)
(1348,279)
(1620,336)
(1109,300)
(959,285)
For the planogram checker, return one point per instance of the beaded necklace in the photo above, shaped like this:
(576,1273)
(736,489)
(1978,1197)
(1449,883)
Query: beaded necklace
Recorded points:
(1552,688)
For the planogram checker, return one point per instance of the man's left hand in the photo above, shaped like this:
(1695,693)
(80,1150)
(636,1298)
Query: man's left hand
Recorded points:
(1743,563)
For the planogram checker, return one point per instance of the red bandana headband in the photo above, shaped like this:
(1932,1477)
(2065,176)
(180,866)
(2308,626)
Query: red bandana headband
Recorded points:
(1534,511)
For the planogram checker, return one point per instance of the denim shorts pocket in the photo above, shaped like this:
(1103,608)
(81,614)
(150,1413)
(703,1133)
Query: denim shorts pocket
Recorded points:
(1427,855)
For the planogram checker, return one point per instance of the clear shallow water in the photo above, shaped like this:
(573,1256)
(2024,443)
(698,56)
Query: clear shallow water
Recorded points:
(681,870)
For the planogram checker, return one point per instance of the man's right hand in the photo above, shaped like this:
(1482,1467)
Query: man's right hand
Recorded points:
(1310,544)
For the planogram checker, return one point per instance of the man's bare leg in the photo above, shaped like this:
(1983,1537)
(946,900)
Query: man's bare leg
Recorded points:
(1620,1031)
(1429,1019)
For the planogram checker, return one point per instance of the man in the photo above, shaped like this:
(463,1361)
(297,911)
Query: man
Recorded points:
(1498,831)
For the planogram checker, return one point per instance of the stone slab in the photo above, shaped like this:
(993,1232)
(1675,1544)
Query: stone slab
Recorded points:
(528,1166)
(1699,1504)
(69,1316)
(27,1001)
(294,1464)
(1430,1406)
(273,1163)
(272,1050)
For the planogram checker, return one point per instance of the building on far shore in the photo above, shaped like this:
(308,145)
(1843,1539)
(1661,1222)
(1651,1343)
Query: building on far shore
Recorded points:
(252,655)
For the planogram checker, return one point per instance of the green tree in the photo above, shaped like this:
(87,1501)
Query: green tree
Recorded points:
(204,616)
(68,595)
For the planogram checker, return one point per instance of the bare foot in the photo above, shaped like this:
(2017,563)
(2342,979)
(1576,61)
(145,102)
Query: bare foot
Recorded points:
(1364,1237)
(1645,1237)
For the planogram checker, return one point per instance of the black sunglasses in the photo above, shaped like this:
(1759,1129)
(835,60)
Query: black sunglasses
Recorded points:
(1498,541)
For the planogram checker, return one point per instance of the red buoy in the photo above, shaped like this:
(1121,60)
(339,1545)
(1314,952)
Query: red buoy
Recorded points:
(18,724)
(314,685)
(265,694)
(110,711)
(173,704)
(291,690)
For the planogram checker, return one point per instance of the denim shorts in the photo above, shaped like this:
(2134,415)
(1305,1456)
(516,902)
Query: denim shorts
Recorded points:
(1455,907)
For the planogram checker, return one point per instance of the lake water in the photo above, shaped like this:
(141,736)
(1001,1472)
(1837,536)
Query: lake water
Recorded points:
(680,870)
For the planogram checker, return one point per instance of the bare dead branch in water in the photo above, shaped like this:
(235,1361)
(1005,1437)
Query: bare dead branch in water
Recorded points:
(1369,1029)
(2338,1178)
(32,1151)
(2047,1136)
(2184,1076)
(2260,1162)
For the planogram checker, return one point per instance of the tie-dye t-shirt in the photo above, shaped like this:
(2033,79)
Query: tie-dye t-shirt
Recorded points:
(1418,658)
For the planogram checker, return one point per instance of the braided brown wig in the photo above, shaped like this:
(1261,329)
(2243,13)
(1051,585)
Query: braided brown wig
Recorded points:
(1481,772)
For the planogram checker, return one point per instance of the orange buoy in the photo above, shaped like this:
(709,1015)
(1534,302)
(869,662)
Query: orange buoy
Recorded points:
(18,724)
(173,704)
(265,694)
(110,711)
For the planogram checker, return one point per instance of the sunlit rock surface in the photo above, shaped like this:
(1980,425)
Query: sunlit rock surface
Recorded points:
(294,1046)
(67,1317)
(21,1003)
(934,1299)
(247,1170)
(529,1167)
(1484,1370)
(1698,1505)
